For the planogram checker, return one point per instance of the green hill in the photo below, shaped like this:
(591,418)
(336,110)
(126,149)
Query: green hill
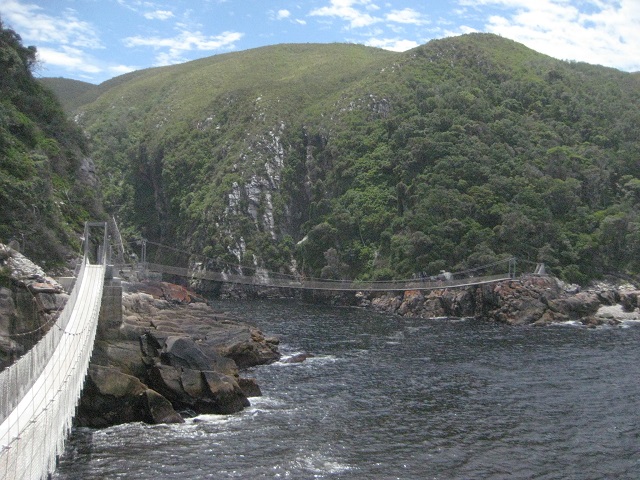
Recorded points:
(47,189)
(363,163)
(71,93)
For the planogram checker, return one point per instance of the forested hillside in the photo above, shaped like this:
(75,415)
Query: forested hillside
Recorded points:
(363,163)
(47,188)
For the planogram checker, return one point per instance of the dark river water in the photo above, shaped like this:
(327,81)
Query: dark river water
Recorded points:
(392,398)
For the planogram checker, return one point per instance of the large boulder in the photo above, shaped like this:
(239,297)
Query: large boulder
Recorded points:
(125,355)
(111,397)
(201,391)
(580,305)
(244,344)
(182,352)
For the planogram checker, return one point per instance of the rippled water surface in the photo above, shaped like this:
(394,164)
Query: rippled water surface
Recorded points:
(386,398)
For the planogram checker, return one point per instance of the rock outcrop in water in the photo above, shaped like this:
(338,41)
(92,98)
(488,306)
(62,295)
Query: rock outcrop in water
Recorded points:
(537,300)
(171,353)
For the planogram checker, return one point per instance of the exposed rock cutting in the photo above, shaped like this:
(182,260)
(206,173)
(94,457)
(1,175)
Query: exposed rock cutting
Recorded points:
(30,301)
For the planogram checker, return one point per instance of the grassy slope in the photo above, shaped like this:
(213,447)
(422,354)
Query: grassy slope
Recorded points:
(292,75)
(71,93)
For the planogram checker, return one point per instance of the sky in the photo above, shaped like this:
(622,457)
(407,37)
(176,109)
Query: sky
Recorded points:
(94,40)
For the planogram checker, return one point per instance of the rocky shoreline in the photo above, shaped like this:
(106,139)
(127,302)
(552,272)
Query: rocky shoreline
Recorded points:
(530,300)
(171,355)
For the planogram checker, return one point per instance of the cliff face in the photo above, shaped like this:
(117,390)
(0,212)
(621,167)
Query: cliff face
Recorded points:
(30,302)
(527,301)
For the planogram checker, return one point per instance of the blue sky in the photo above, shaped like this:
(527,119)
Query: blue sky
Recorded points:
(94,40)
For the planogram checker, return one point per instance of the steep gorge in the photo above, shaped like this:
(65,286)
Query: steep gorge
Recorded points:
(347,161)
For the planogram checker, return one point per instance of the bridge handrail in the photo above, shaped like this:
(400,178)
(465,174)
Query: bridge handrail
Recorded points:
(260,272)
(33,433)
(24,372)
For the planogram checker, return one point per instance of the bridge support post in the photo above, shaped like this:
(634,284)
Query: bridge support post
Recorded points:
(111,307)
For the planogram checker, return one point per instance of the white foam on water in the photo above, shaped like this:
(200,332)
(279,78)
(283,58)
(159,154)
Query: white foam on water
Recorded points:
(322,359)
(319,465)
(208,418)
(264,401)
(315,359)
(569,323)
(285,358)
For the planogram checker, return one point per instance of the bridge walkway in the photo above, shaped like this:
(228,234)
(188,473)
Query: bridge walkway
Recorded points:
(494,272)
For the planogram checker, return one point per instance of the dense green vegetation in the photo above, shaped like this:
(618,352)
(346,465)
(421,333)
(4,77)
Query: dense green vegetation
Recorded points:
(489,149)
(362,163)
(42,203)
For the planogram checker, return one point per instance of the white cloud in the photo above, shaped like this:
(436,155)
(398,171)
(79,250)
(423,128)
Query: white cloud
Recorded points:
(175,47)
(78,63)
(346,10)
(62,41)
(36,26)
(602,32)
(408,15)
(286,15)
(159,15)
(70,58)
(121,69)
(394,44)
(135,5)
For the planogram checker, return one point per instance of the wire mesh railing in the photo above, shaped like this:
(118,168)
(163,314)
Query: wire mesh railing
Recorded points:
(172,260)
(40,391)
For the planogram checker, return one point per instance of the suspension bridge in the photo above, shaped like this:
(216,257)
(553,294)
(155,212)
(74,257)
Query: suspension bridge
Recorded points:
(275,280)
(198,269)
(40,391)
